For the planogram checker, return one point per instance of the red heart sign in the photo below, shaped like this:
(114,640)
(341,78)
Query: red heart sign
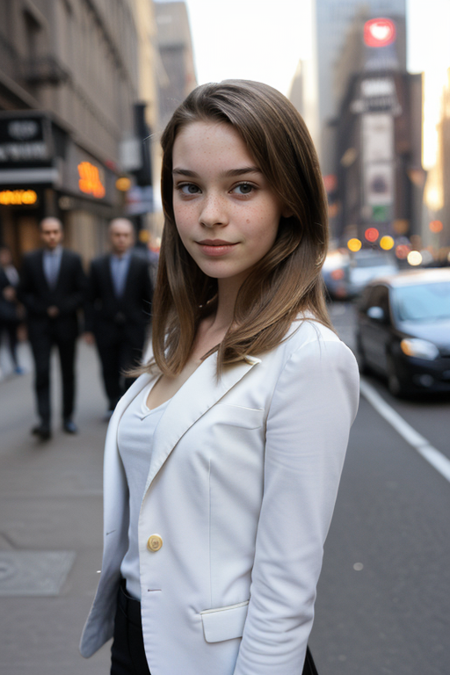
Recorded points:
(379,32)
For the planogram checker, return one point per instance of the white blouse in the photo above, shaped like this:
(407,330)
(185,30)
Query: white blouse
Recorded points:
(135,439)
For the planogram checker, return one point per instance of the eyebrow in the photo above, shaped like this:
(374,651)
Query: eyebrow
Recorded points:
(227,174)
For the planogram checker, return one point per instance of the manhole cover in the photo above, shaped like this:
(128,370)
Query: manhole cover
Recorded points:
(34,572)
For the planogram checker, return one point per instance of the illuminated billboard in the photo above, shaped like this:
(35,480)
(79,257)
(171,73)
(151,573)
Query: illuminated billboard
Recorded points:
(379,32)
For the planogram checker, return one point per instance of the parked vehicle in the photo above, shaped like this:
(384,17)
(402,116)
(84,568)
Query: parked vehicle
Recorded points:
(403,330)
(346,275)
(335,273)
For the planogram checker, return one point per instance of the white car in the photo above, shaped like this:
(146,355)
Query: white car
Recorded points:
(365,266)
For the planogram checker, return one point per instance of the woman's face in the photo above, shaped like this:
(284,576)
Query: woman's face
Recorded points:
(226,212)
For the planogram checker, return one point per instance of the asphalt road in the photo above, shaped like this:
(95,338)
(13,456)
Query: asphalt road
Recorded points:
(384,595)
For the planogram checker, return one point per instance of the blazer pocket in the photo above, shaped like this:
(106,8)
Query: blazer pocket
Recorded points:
(238,416)
(224,623)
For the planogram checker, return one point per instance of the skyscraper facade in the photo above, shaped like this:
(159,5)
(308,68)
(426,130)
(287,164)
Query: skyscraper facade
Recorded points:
(374,147)
(333,19)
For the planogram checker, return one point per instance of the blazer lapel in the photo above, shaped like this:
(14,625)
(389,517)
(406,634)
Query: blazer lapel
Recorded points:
(62,269)
(198,394)
(106,264)
(129,279)
(40,268)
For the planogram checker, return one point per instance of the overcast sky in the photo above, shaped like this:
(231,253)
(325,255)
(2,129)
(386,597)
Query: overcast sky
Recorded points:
(250,39)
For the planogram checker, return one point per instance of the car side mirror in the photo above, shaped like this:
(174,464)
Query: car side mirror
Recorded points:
(376,313)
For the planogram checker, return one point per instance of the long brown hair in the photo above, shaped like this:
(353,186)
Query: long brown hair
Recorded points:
(287,279)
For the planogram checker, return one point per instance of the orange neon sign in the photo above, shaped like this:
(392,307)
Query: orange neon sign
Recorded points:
(90,182)
(8,197)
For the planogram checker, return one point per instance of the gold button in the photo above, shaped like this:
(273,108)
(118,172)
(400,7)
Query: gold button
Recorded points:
(154,543)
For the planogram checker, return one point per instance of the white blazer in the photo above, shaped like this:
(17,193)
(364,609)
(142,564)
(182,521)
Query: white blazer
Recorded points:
(242,484)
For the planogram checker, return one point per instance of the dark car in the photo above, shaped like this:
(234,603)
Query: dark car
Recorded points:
(403,330)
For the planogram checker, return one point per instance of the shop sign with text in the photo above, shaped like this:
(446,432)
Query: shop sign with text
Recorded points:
(18,198)
(24,141)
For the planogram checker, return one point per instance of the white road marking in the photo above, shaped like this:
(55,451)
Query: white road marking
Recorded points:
(411,436)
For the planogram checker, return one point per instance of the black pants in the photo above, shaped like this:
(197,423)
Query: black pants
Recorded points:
(10,330)
(127,651)
(42,346)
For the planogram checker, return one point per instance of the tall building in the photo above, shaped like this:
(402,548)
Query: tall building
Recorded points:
(140,152)
(364,112)
(436,230)
(69,81)
(333,19)
(177,71)
(376,135)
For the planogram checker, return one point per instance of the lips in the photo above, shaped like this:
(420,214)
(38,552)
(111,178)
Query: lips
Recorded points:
(215,242)
(215,247)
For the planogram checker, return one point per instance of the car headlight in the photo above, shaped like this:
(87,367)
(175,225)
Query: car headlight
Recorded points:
(422,349)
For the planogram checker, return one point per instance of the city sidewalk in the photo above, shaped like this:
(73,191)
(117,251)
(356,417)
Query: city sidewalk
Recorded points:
(50,525)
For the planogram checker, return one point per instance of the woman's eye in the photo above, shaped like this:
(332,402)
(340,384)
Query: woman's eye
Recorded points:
(189,189)
(243,189)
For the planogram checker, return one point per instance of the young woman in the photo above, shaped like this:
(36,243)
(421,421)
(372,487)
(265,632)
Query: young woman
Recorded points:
(223,459)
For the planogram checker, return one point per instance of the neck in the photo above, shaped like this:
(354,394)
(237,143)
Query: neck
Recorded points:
(226,301)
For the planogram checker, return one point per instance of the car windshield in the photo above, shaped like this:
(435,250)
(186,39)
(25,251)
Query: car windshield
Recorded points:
(429,302)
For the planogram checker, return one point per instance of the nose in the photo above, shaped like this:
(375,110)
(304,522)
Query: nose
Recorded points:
(214,212)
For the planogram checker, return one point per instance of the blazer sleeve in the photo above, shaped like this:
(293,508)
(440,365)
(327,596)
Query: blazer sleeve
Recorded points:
(313,406)
(8,308)
(27,291)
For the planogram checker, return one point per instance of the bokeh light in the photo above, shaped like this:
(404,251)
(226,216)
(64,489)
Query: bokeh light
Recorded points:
(17,197)
(354,244)
(436,226)
(123,183)
(371,234)
(402,250)
(386,243)
(414,258)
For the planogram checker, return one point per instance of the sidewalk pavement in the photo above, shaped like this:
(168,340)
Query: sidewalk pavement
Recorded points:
(50,525)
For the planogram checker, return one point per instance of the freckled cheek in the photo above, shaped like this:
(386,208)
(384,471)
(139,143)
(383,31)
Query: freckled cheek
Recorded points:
(263,224)
(184,217)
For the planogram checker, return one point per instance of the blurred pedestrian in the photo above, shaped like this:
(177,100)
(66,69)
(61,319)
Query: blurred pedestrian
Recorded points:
(52,289)
(222,461)
(11,312)
(118,309)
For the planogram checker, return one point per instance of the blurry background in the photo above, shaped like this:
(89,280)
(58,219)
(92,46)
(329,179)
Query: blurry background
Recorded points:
(86,88)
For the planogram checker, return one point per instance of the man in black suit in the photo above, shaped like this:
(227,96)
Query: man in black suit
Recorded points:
(52,289)
(118,308)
